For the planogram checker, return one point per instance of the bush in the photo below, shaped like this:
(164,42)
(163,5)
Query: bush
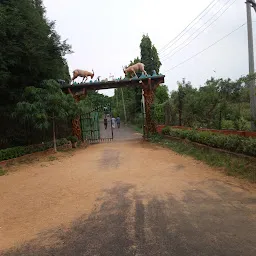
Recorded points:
(72,139)
(14,152)
(227,124)
(166,130)
(232,143)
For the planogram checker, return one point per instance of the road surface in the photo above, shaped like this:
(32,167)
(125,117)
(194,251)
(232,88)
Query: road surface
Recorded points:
(125,198)
(122,133)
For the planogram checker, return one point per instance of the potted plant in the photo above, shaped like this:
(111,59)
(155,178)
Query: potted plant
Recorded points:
(73,140)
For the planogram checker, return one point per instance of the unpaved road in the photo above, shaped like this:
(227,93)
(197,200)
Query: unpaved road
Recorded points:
(125,198)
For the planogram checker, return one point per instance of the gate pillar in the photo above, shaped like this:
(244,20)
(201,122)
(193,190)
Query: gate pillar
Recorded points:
(150,126)
(148,92)
(76,125)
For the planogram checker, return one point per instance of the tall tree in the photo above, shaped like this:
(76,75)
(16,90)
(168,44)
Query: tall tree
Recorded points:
(155,59)
(149,55)
(31,51)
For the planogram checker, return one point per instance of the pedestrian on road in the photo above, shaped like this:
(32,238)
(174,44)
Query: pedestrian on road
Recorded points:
(105,122)
(118,122)
(113,123)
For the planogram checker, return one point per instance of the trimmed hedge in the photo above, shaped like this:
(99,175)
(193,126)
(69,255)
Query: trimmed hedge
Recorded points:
(234,143)
(14,152)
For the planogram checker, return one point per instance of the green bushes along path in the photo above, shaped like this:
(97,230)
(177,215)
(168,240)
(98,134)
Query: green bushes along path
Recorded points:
(234,143)
(14,152)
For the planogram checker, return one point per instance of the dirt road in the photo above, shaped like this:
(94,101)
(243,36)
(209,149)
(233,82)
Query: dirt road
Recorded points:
(125,198)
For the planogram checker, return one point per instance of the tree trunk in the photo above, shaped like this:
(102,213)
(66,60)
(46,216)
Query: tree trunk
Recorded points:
(54,134)
(180,116)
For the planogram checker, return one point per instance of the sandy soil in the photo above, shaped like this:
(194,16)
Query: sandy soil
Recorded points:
(125,198)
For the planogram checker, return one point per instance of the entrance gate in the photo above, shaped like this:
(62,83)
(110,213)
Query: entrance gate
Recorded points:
(147,83)
(90,126)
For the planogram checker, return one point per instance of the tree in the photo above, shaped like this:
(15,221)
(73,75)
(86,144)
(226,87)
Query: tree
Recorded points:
(161,94)
(155,59)
(149,55)
(146,53)
(31,51)
(43,106)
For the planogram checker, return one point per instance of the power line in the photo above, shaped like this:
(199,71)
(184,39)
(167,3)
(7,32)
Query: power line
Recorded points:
(199,29)
(164,47)
(205,48)
(180,35)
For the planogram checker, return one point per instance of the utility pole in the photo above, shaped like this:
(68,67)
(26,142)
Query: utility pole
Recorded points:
(143,109)
(125,117)
(252,2)
(251,63)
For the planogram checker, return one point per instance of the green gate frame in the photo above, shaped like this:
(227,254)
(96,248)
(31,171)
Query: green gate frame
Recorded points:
(90,126)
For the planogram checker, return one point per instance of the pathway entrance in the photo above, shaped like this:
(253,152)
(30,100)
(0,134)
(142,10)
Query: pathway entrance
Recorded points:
(123,133)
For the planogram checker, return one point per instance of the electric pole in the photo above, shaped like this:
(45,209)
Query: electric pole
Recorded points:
(125,117)
(251,62)
(143,108)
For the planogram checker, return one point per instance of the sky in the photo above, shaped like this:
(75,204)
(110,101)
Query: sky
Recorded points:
(105,35)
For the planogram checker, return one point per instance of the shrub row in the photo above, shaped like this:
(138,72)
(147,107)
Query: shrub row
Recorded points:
(14,152)
(234,143)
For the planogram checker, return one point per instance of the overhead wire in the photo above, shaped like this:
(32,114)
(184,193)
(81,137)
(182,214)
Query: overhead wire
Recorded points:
(205,48)
(165,47)
(166,57)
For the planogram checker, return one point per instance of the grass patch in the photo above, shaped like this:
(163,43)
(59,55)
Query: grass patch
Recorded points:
(2,172)
(136,128)
(52,158)
(232,165)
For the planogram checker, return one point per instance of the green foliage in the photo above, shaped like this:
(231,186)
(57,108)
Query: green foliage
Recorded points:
(45,104)
(227,124)
(31,51)
(155,60)
(158,113)
(73,139)
(219,104)
(161,94)
(95,99)
(14,152)
(234,143)
(166,130)
(149,55)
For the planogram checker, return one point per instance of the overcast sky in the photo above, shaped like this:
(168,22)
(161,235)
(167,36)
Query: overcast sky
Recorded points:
(105,35)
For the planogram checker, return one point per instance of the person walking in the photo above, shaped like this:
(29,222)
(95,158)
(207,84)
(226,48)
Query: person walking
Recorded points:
(118,122)
(113,122)
(105,122)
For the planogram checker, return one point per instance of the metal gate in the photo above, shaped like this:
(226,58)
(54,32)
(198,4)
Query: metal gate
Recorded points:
(90,125)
